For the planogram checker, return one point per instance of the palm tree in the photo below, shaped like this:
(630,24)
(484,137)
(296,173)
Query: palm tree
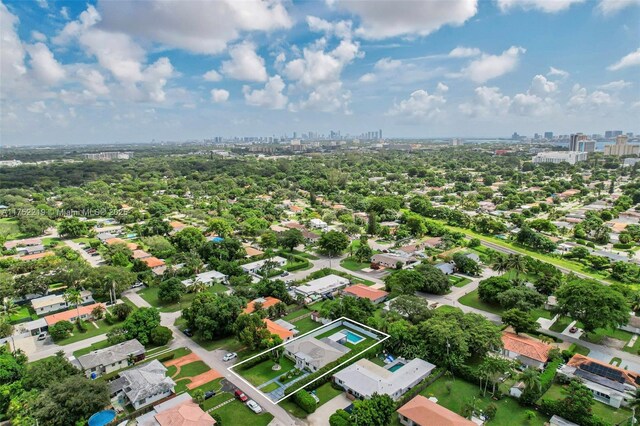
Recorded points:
(531,379)
(9,308)
(198,286)
(518,263)
(74,297)
(501,264)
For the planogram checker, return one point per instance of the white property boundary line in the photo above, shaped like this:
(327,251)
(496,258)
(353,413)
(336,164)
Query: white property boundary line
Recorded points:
(230,369)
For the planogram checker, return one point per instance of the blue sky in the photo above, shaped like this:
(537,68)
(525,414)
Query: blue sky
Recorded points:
(133,71)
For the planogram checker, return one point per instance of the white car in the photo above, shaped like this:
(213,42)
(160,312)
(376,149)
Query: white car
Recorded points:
(254,406)
(229,356)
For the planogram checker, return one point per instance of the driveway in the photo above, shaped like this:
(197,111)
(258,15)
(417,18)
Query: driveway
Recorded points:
(93,260)
(321,416)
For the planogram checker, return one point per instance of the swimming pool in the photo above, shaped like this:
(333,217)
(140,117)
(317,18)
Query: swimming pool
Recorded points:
(353,338)
(102,418)
(396,367)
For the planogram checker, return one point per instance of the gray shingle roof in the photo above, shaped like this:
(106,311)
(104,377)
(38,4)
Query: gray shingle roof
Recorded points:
(112,354)
(146,380)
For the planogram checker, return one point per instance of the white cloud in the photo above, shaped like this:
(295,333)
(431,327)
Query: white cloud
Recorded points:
(270,97)
(387,64)
(581,99)
(38,36)
(329,97)
(528,104)
(368,78)
(43,4)
(341,29)
(245,64)
(318,66)
(541,86)
(64,12)
(615,85)
(37,107)
(442,88)
(212,75)
(420,106)
(219,95)
(548,6)
(383,19)
(630,60)
(44,65)
(197,26)
(610,7)
(116,52)
(488,101)
(464,52)
(73,29)
(488,67)
(557,72)
(12,53)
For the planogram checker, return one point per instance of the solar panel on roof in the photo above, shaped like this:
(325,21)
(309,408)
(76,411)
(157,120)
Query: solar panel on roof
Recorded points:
(603,371)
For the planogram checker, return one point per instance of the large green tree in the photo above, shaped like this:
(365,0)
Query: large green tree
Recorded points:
(140,323)
(333,243)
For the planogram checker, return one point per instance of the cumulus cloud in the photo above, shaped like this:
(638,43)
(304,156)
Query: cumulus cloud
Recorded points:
(328,98)
(541,86)
(270,97)
(92,80)
(197,26)
(44,65)
(487,101)
(581,99)
(630,60)
(615,85)
(245,64)
(340,29)
(419,106)
(464,52)
(38,36)
(212,75)
(387,64)
(37,107)
(368,78)
(610,7)
(12,53)
(383,19)
(547,6)
(488,67)
(219,95)
(557,72)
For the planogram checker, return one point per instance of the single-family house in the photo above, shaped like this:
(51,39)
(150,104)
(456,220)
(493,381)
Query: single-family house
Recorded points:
(208,278)
(312,354)
(326,285)
(156,265)
(252,251)
(265,302)
(318,224)
(36,256)
(421,411)
(277,228)
(365,292)
(31,249)
(278,330)
(310,237)
(254,267)
(104,236)
(364,378)
(24,242)
(116,240)
(176,226)
(144,384)
(140,254)
(446,268)
(113,358)
(178,411)
(610,385)
(556,420)
(527,350)
(72,315)
(57,302)
(390,260)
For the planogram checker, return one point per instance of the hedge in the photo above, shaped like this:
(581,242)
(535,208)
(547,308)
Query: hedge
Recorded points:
(305,401)
(623,246)
(435,375)
(324,370)
(529,397)
(254,361)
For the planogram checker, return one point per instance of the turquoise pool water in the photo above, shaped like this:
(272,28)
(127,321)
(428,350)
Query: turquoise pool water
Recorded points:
(102,418)
(396,367)
(353,337)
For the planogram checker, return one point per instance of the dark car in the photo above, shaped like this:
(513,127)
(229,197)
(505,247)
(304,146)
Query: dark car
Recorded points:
(187,332)
(573,329)
(209,394)
(240,395)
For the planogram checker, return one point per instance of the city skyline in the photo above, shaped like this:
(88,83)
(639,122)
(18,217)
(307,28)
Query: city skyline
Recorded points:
(93,72)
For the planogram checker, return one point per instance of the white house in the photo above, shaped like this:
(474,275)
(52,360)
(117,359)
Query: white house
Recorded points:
(254,267)
(56,302)
(113,358)
(325,285)
(209,278)
(318,224)
(143,385)
(390,260)
(312,354)
(364,378)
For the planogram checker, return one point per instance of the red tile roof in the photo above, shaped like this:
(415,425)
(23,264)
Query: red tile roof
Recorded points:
(526,346)
(153,262)
(268,301)
(71,313)
(37,256)
(362,291)
(424,412)
(278,329)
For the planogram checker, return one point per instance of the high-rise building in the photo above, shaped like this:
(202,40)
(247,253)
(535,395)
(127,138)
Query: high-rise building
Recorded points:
(515,136)
(621,147)
(380,134)
(548,135)
(571,157)
(587,145)
(575,139)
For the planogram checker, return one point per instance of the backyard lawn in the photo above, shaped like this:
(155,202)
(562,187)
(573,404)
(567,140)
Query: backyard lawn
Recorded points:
(150,294)
(91,331)
(9,227)
(605,412)
(326,392)
(463,393)
(22,315)
(261,373)
(472,299)
(353,265)
(238,414)
(305,325)
(459,281)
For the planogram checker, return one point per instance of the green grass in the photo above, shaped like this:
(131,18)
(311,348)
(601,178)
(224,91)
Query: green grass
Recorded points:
(605,412)
(459,281)
(216,400)
(293,408)
(150,294)
(91,331)
(306,324)
(270,387)
(472,300)
(462,393)
(181,385)
(22,314)
(579,349)
(635,349)
(10,228)
(93,347)
(261,373)
(353,265)
(295,314)
(326,392)
(171,371)
(560,324)
(192,369)
(615,361)
(238,414)
(447,308)
(598,334)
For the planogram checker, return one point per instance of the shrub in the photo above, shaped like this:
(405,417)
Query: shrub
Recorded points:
(60,330)
(121,311)
(161,335)
(305,401)
(109,319)
(217,418)
(80,325)
(340,418)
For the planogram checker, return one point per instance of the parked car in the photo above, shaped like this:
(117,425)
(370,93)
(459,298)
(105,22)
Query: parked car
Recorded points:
(137,285)
(187,332)
(209,394)
(229,356)
(240,395)
(254,406)
(42,336)
(573,329)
